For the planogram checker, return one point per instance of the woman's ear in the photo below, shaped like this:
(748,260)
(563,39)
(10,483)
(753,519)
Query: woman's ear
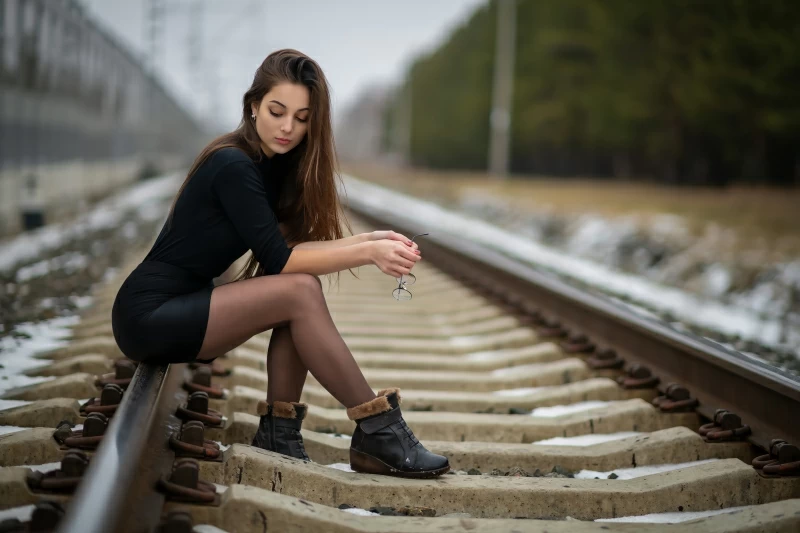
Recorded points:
(253,109)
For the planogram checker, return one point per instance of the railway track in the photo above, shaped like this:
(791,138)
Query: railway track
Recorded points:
(491,357)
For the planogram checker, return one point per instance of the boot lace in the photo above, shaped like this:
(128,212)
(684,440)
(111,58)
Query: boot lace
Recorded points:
(410,433)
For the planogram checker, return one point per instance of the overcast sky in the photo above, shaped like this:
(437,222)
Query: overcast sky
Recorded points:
(357,42)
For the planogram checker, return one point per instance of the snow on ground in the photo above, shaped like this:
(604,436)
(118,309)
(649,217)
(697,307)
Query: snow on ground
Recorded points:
(207,528)
(518,392)
(23,513)
(7,430)
(702,312)
(360,512)
(672,518)
(562,410)
(16,352)
(587,440)
(143,197)
(639,471)
(344,467)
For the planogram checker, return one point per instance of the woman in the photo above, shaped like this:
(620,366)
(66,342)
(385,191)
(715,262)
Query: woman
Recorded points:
(269,182)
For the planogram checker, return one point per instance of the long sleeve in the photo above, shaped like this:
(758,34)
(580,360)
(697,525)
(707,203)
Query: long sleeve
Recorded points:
(241,192)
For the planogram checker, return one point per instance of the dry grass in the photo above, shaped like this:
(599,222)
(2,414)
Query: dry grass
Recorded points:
(761,217)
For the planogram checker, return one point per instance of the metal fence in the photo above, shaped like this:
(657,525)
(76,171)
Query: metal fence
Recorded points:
(79,114)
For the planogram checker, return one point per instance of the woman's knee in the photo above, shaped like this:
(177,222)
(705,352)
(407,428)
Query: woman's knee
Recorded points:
(306,284)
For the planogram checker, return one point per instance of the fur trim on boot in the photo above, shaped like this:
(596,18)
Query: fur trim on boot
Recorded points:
(279,428)
(373,407)
(290,410)
(383,443)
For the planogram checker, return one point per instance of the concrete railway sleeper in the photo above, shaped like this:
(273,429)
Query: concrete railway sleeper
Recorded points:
(541,419)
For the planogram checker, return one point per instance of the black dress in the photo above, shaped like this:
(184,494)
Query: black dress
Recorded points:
(161,311)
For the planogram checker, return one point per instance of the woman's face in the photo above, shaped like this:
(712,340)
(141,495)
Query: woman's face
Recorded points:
(282,118)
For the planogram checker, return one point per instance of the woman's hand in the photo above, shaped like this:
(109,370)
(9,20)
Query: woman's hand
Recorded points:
(393,257)
(392,236)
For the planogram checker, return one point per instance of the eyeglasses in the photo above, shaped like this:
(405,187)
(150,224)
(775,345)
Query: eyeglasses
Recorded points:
(401,293)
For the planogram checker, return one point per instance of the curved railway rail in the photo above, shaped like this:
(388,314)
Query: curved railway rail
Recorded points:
(491,340)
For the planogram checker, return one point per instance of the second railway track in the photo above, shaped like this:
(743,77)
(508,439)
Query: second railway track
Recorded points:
(483,342)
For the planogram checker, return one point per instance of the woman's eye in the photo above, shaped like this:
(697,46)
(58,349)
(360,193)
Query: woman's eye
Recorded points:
(279,116)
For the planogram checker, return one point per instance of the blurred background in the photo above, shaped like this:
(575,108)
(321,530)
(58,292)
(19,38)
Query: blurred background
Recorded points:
(656,139)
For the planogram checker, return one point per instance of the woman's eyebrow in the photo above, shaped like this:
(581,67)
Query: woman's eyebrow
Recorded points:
(283,106)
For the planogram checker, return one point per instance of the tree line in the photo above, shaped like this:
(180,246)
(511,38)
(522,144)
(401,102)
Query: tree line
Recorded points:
(701,92)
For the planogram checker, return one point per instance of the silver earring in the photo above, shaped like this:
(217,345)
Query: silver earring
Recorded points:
(253,116)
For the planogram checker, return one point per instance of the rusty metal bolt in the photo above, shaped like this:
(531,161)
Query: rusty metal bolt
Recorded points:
(74,463)
(176,522)
(677,392)
(638,371)
(787,453)
(638,377)
(577,343)
(46,516)
(192,432)
(124,368)
(63,431)
(727,420)
(605,359)
(202,376)
(95,425)
(186,473)
(111,395)
(201,382)
(551,328)
(198,402)
(197,409)
(193,444)
(184,483)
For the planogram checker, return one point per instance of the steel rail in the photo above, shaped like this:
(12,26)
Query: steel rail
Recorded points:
(117,492)
(766,398)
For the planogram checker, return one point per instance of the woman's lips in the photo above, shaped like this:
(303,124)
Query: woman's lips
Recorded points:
(282,141)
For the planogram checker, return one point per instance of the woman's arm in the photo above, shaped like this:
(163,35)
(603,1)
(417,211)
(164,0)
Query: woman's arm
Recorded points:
(337,243)
(349,241)
(391,257)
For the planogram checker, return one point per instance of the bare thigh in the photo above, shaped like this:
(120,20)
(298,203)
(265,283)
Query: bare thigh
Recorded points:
(245,308)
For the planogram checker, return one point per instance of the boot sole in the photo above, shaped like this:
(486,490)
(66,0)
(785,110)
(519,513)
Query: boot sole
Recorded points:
(366,464)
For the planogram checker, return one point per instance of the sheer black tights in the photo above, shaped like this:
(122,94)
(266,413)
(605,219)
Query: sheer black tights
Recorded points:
(304,335)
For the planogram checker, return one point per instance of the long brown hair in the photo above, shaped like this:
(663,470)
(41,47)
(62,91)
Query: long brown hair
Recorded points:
(309,206)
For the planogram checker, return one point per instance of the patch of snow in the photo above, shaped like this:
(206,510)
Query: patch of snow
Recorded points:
(220,488)
(7,430)
(10,404)
(518,392)
(359,512)
(561,410)
(23,513)
(207,528)
(587,440)
(47,467)
(631,473)
(672,518)
(483,356)
(732,320)
(16,353)
(344,467)
(222,447)
(143,197)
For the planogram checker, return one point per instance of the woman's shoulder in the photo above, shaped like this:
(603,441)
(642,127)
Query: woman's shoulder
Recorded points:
(229,154)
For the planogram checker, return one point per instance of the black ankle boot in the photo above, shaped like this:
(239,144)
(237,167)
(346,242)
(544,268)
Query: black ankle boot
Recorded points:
(279,428)
(383,443)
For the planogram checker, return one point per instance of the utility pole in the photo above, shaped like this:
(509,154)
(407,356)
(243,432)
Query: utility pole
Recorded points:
(401,123)
(502,88)
(154,31)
